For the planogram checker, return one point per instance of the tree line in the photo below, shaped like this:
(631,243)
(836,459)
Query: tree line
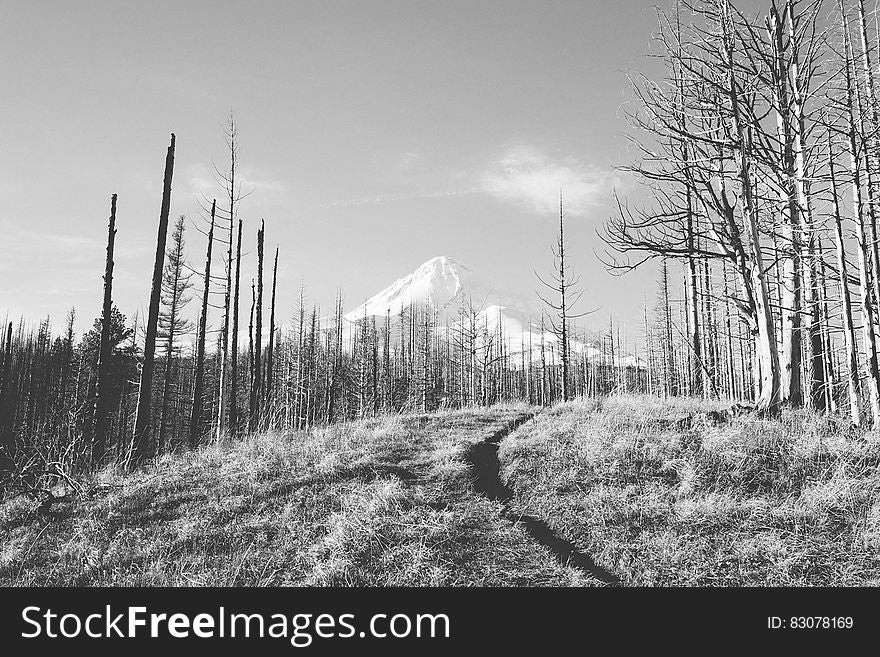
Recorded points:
(758,149)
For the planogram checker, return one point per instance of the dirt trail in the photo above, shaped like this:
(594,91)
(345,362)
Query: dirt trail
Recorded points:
(483,460)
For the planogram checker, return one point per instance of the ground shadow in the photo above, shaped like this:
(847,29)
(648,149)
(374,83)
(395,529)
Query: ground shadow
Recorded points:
(486,468)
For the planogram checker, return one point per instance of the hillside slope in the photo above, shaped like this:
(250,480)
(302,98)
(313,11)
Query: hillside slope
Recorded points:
(623,490)
(379,502)
(662,493)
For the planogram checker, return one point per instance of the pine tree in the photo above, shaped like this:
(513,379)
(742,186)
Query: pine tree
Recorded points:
(172,325)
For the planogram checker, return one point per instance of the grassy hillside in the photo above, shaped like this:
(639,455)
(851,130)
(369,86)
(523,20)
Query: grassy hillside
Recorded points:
(661,495)
(628,489)
(380,502)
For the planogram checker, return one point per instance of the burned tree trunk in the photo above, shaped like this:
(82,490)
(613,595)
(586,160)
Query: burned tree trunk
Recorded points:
(871,153)
(5,397)
(270,348)
(102,397)
(563,312)
(862,235)
(768,401)
(196,415)
(258,332)
(251,389)
(141,437)
(852,363)
(233,374)
(792,390)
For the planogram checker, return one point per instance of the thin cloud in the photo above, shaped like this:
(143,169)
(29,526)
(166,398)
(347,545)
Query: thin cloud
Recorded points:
(527,177)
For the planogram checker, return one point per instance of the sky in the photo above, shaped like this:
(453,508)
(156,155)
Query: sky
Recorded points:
(373,135)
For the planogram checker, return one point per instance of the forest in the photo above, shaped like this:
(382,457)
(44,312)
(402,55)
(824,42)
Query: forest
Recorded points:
(756,166)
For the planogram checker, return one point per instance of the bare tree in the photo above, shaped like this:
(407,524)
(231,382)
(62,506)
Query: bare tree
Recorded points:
(198,393)
(270,348)
(849,333)
(141,437)
(102,397)
(233,379)
(256,386)
(859,213)
(564,284)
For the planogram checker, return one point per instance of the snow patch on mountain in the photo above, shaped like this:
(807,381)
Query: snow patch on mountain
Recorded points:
(441,283)
(467,301)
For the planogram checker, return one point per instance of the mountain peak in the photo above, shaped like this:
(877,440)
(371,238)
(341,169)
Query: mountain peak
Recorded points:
(440,261)
(436,283)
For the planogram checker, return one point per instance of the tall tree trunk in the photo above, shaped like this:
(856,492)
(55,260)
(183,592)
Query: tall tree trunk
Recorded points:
(818,370)
(233,374)
(563,312)
(141,437)
(849,332)
(871,151)
(768,401)
(102,398)
(195,420)
(830,375)
(792,389)
(670,384)
(270,348)
(5,400)
(232,195)
(862,234)
(695,355)
(731,369)
(258,330)
(223,378)
(252,397)
(300,380)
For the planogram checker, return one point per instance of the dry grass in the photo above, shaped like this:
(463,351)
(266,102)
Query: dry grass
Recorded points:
(653,490)
(379,502)
(661,500)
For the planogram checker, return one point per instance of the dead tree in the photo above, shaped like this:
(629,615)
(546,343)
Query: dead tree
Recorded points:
(226,383)
(195,420)
(563,284)
(849,333)
(791,293)
(140,440)
(233,379)
(256,388)
(102,397)
(695,372)
(862,233)
(251,397)
(6,400)
(872,146)
(270,348)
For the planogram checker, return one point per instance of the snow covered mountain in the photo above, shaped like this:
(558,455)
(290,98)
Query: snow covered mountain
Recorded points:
(441,283)
(456,292)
